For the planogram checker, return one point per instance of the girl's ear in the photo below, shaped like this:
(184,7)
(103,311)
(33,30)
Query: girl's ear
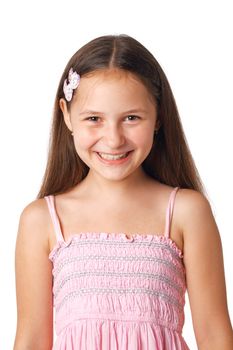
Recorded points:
(66,114)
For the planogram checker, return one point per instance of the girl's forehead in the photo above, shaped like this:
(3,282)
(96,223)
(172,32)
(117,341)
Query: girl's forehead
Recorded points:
(110,74)
(110,80)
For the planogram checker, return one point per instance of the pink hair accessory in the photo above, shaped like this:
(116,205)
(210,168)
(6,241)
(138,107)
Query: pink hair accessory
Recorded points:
(73,82)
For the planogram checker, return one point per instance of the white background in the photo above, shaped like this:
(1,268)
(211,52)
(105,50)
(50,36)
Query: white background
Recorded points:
(192,41)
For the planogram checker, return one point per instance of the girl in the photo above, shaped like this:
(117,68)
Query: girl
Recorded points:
(121,226)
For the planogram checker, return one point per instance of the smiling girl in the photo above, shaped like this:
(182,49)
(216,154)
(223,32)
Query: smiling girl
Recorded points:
(121,227)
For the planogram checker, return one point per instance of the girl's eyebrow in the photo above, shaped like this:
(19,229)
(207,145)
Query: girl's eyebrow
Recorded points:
(137,110)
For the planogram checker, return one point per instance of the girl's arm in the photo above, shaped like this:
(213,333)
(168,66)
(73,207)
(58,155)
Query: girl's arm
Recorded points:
(203,261)
(33,281)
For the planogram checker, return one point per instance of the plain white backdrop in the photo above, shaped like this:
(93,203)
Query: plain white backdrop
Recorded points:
(190,39)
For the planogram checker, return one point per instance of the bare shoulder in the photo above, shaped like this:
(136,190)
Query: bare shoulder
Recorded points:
(35,213)
(34,223)
(192,208)
(33,271)
(191,202)
(188,203)
(198,226)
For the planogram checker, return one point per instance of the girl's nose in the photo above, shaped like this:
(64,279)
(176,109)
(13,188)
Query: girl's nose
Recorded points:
(114,136)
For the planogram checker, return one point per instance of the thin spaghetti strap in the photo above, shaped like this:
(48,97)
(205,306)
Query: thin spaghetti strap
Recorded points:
(170,211)
(54,217)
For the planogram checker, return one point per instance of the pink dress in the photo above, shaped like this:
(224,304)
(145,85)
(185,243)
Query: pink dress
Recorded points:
(112,292)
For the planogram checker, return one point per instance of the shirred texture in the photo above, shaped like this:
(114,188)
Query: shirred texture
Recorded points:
(117,293)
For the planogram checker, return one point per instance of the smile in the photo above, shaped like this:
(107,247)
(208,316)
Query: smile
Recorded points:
(109,156)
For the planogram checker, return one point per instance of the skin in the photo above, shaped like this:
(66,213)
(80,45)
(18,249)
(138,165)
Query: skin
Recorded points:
(107,192)
(110,129)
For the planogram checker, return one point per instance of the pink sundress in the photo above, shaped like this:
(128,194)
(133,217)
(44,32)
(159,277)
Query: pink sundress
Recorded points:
(112,292)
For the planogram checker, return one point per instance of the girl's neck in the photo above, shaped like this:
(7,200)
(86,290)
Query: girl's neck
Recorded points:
(96,185)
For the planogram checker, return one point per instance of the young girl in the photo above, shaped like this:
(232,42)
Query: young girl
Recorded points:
(121,226)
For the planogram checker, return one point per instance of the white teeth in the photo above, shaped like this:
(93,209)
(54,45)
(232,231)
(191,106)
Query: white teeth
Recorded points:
(112,157)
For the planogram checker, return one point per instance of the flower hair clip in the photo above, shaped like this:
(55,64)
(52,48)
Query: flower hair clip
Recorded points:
(73,82)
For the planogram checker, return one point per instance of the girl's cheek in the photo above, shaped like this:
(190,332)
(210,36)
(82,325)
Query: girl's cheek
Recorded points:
(85,139)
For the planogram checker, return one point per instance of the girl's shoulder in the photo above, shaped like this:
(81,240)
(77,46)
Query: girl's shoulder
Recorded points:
(196,221)
(35,223)
(190,207)
(191,210)
(187,201)
(191,204)
(35,213)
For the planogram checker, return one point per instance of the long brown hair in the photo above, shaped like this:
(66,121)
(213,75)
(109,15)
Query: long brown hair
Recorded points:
(169,161)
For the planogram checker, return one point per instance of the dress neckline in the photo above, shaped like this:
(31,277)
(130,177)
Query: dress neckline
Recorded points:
(155,237)
(117,237)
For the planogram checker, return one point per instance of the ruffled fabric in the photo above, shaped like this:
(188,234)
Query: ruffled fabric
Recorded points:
(111,335)
(117,236)
(117,292)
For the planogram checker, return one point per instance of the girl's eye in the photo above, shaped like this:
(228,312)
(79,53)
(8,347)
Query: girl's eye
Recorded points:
(93,119)
(129,117)
(132,117)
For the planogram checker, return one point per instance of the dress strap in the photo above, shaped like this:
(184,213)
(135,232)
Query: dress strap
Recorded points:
(57,227)
(170,211)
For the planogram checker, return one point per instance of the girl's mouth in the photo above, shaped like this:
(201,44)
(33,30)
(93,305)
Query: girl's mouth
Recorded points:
(108,158)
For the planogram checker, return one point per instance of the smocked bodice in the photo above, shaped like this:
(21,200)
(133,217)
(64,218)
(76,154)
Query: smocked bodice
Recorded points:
(98,275)
(114,292)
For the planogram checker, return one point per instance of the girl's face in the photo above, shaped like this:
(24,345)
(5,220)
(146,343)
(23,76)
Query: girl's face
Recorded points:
(113,119)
